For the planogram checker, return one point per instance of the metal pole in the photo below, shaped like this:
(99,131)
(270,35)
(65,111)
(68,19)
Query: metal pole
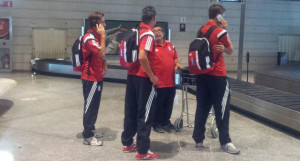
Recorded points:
(248,59)
(241,41)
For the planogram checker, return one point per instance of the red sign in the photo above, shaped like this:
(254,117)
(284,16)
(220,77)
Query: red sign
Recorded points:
(6,4)
(4,28)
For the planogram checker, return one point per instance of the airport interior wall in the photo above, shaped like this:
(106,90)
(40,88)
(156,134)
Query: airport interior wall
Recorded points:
(265,21)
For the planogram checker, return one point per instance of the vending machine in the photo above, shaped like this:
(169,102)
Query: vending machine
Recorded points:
(5,44)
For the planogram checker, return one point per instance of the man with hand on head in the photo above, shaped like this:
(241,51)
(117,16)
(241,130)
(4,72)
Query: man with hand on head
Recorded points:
(93,50)
(213,88)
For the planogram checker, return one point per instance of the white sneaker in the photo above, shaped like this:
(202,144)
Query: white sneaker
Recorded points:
(230,148)
(92,141)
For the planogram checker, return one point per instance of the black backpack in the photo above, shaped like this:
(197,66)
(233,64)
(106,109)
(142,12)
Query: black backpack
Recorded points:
(77,56)
(200,55)
(129,48)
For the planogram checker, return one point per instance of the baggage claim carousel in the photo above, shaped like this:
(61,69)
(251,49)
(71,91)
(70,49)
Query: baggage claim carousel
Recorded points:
(273,105)
(60,67)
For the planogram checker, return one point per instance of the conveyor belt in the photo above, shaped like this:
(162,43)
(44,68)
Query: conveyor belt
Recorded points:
(285,77)
(115,73)
(285,99)
(272,104)
(278,97)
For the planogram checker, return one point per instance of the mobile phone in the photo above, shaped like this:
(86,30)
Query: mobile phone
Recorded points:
(220,17)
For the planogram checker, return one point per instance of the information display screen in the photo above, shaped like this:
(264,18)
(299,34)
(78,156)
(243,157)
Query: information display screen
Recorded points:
(4,29)
(116,29)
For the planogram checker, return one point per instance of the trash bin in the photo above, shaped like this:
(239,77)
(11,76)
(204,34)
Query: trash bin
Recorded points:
(282,58)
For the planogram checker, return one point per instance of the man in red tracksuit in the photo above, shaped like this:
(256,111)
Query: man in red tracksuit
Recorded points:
(213,88)
(93,49)
(141,93)
(164,65)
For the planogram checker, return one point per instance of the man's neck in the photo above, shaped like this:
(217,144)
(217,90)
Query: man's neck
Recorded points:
(213,20)
(160,42)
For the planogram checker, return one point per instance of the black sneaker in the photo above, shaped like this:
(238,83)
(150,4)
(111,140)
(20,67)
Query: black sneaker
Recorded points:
(158,129)
(169,128)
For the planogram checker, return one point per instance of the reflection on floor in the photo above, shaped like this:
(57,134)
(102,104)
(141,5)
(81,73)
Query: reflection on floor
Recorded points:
(44,122)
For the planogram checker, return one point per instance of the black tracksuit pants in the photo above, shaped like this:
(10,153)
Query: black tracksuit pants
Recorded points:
(212,90)
(139,101)
(164,106)
(92,95)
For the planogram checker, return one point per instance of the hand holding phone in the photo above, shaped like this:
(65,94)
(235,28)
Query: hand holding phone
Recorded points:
(222,21)
(100,29)
(220,17)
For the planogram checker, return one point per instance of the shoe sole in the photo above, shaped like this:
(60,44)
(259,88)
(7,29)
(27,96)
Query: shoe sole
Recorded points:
(200,148)
(134,149)
(146,158)
(131,151)
(100,144)
(236,153)
(160,131)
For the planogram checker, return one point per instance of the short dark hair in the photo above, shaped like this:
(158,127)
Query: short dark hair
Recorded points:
(214,10)
(148,14)
(95,18)
(162,29)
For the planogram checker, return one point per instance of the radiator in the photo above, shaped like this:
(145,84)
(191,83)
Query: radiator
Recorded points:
(290,44)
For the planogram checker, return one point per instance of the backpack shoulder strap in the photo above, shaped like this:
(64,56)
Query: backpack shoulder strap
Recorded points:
(146,34)
(207,35)
(199,33)
(210,30)
(85,38)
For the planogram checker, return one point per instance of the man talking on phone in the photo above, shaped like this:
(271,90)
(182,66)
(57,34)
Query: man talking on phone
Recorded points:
(213,87)
(95,67)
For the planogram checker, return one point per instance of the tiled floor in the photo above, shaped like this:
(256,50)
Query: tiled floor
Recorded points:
(41,120)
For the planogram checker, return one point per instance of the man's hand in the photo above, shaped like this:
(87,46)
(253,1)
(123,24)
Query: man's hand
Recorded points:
(224,24)
(177,65)
(100,30)
(146,66)
(219,48)
(105,69)
(154,80)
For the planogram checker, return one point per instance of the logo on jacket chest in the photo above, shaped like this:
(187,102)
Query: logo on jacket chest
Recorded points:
(167,50)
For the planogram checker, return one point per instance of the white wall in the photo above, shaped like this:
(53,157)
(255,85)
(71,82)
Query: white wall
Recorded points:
(265,20)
